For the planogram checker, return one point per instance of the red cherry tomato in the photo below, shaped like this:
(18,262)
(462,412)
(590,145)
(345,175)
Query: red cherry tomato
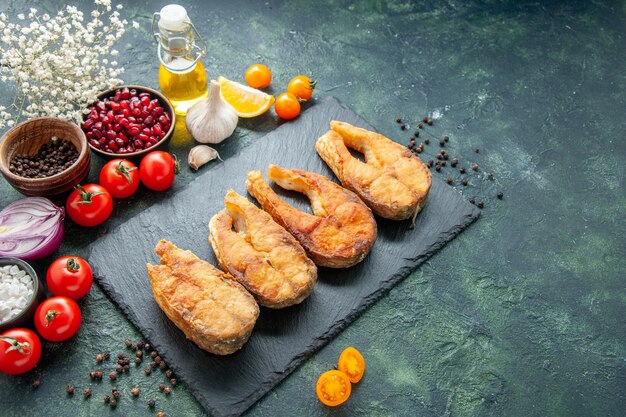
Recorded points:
(70,276)
(302,87)
(287,106)
(157,170)
(120,177)
(89,205)
(58,318)
(20,351)
(258,76)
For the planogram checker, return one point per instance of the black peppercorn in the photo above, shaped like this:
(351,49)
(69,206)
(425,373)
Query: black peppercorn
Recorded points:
(107,355)
(140,344)
(119,369)
(454,162)
(169,373)
(147,347)
(427,141)
(173,381)
(154,354)
(98,375)
(87,392)
(472,200)
(430,122)
(430,163)
(398,120)
(161,387)
(162,365)
(92,375)
(450,181)
(490,176)
(139,353)
(147,371)
(157,360)
(36,383)
(462,170)
(126,368)
(420,125)
(138,361)
(446,138)
(154,365)
(69,389)
(151,403)
(477,150)
(134,391)
(128,343)
(116,393)
(442,143)
(107,398)
(99,357)
(465,182)
(425,119)
(438,168)
(417,133)
(120,355)
(500,195)
(475,167)
(481,204)
(113,376)
(113,403)
(403,126)
(167,390)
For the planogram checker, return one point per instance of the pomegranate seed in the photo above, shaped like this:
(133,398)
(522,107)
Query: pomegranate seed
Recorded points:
(139,120)
(114,106)
(110,142)
(87,124)
(121,150)
(157,111)
(136,112)
(125,104)
(96,133)
(146,131)
(94,143)
(144,94)
(145,100)
(148,121)
(138,144)
(103,141)
(125,93)
(153,139)
(156,129)
(118,96)
(142,137)
(133,92)
(100,105)
(89,135)
(119,142)
(111,134)
(113,147)
(133,131)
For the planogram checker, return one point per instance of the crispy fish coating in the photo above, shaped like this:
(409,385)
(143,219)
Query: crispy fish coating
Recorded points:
(339,234)
(209,306)
(393,182)
(261,254)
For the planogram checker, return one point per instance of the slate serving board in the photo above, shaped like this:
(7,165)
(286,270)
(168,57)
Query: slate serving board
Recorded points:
(282,339)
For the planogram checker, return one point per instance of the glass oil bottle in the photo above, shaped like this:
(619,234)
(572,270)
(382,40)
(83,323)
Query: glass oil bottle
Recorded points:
(182,77)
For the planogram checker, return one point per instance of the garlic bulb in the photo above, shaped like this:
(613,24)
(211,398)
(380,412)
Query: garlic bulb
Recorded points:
(211,120)
(200,155)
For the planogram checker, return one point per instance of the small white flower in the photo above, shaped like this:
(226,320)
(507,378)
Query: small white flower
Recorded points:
(21,16)
(135,25)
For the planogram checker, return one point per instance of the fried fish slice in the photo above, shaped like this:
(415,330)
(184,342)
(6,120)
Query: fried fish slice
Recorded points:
(393,182)
(261,254)
(209,306)
(339,234)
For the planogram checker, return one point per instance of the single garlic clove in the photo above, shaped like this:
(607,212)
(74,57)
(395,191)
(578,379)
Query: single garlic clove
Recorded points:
(211,120)
(200,155)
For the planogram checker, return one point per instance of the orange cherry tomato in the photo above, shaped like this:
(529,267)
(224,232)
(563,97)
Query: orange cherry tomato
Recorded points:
(287,106)
(333,388)
(352,363)
(302,87)
(258,76)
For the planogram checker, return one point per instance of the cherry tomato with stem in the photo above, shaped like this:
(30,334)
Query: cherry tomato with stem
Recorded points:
(157,170)
(258,76)
(58,318)
(302,87)
(20,351)
(287,106)
(120,177)
(89,205)
(70,276)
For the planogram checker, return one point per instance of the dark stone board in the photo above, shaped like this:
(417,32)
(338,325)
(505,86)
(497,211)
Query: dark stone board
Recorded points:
(282,339)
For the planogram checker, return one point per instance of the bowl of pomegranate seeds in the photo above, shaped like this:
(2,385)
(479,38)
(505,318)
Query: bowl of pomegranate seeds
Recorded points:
(128,121)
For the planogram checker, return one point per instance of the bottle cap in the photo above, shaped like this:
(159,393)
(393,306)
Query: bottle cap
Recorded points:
(173,17)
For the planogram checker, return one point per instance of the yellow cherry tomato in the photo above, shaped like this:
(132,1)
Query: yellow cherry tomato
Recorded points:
(287,106)
(352,363)
(333,388)
(258,76)
(302,87)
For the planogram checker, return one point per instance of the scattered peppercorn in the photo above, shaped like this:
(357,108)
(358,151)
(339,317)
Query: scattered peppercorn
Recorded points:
(430,163)
(107,355)
(446,138)
(134,391)
(162,365)
(92,375)
(454,162)
(398,120)
(465,182)
(36,383)
(87,392)
(472,200)
(477,150)
(119,369)
(154,365)
(113,403)
(462,170)
(151,403)
(490,176)
(147,371)
(167,390)
(116,393)
(450,180)
(430,122)
(52,158)
(425,119)
(417,133)
(169,373)
(147,347)
(420,126)
(173,381)
(69,389)
(126,368)
(157,360)
(500,195)
(161,387)
(139,353)
(475,167)
(427,141)
(107,398)
(481,204)
(403,126)
(438,168)
(442,143)
(154,354)
(128,343)
(98,375)
(113,375)
(160,414)
(140,344)
(99,357)
(138,361)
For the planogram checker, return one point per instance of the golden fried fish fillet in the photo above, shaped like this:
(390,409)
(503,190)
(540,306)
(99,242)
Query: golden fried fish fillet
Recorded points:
(261,254)
(339,234)
(209,306)
(393,182)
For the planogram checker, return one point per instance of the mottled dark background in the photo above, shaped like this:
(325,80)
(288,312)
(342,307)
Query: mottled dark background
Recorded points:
(524,313)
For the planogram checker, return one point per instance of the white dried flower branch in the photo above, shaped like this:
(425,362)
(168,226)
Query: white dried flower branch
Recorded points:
(57,64)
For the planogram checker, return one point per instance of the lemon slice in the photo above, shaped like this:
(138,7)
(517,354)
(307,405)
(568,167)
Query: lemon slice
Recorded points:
(247,101)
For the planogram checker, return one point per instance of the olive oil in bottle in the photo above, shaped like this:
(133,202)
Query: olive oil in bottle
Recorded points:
(182,77)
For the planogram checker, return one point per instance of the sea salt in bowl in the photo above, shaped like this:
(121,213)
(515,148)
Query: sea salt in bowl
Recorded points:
(20,294)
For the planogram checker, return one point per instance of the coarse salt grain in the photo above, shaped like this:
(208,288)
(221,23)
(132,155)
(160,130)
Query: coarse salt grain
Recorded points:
(16,289)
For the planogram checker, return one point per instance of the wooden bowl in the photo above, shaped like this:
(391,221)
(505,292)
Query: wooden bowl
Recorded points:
(165,103)
(26,138)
